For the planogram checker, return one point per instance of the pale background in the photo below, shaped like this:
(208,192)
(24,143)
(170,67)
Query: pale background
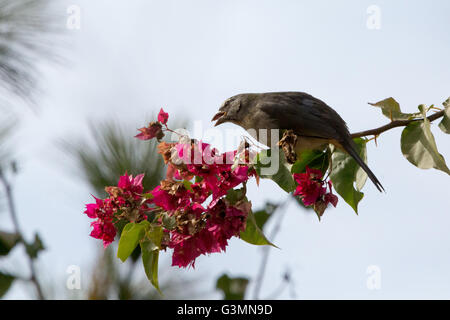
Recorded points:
(132,57)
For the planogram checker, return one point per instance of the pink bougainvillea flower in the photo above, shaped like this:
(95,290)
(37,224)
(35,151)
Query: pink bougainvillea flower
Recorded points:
(163,199)
(154,130)
(197,153)
(225,222)
(186,249)
(227,180)
(104,231)
(330,197)
(309,187)
(312,191)
(129,184)
(163,116)
(170,201)
(102,227)
(93,208)
(127,195)
(199,192)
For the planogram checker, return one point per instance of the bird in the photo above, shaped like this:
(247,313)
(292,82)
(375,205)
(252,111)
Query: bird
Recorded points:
(314,122)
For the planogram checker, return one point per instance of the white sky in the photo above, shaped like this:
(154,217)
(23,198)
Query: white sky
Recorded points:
(132,57)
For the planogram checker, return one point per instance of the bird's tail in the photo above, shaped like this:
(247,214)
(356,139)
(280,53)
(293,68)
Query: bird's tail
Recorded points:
(350,148)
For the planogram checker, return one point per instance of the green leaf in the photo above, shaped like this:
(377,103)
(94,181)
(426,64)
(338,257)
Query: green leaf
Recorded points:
(232,288)
(147,195)
(391,109)
(235,195)
(6,281)
(283,177)
(169,222)
(132,233)
(345,172)
(253,234)
(313,159)
(444,125)
(187,184)
(150,257)
(261,217)
(155,235)
(419,147)
(35,247)
(7,241)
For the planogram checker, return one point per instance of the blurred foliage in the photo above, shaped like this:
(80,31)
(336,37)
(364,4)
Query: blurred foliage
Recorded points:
(110,152)
(8,241)
(6,131)
(108,281)
(232,288)
(35,247)
(6,281)
(27,30)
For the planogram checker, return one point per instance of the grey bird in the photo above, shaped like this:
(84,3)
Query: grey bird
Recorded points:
(312,120)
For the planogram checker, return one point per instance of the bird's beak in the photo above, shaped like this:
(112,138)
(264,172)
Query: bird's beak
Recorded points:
(219,117)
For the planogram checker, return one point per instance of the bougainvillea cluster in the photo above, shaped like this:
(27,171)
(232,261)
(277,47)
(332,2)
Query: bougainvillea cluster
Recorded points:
(199,205)
(200,228)
(313,190)
(196,173)
(124,202)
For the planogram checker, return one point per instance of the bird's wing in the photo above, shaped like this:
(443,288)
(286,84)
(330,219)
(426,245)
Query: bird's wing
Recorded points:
(306,115)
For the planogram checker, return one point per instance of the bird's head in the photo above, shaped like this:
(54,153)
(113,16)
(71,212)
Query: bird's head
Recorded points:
(233,109)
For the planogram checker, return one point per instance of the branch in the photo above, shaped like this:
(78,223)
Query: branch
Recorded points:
(12,211)
(394,124)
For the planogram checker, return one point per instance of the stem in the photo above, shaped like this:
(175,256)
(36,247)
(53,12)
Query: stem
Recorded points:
(12,211)
(265,258)
(394,124)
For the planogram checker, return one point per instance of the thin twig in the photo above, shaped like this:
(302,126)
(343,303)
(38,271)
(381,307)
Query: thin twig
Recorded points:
(12,211)
(394,124)
(281,288)
(265,257)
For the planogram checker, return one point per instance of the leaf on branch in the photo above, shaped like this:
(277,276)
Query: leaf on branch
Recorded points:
(444,125)
(232,288)
(272,165)
(391,109)
(187,184)
(169,222)
(261,217)
(150,247)
(253,234)
(6,281)
(132,233)
(345,174)
(313,159)
(7,241)
(419,147)
(235,195)
(34,248)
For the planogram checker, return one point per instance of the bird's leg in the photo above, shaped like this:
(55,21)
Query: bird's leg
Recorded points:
(287,144)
